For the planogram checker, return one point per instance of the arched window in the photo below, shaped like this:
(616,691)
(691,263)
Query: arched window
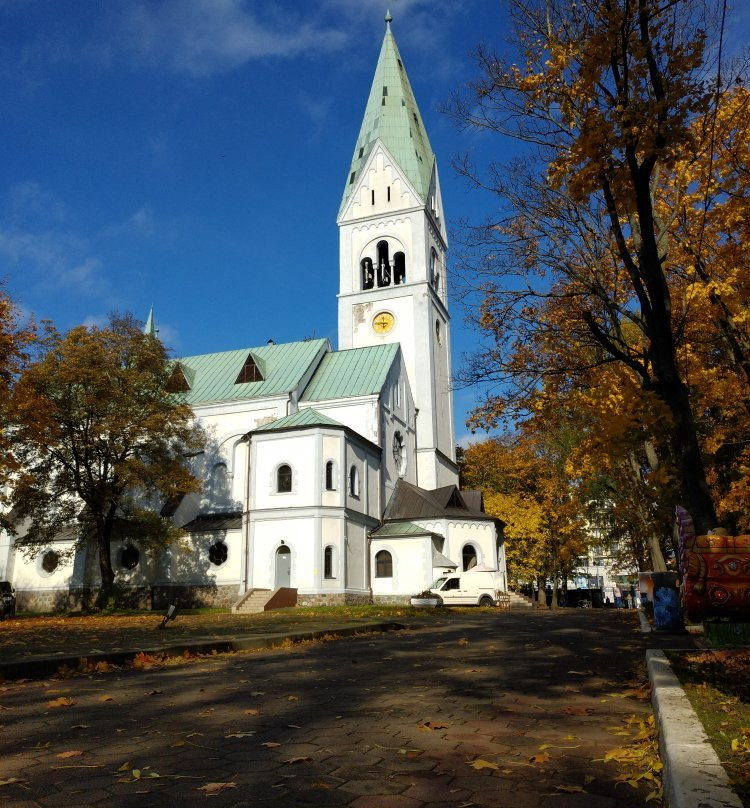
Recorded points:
(329,476)
(368,273)
(383,564)
(468,557)
(384,264)
(399,268)
(284,479)
(354,481)
(434,271)
(328,562)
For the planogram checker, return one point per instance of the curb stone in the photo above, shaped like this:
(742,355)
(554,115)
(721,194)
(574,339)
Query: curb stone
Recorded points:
(40,667)
(693,776)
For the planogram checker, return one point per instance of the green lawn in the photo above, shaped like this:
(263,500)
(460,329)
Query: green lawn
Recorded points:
(717,684)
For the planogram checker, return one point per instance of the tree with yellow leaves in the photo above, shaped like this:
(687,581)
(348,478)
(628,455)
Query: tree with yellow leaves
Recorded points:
(575,271)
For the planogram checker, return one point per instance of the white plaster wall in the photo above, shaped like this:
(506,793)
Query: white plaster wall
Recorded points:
(27,573)
(299,536)
(480,534)
(412,565)
(333,449)
(359,414)
(331,535)
(188,561)
(299,451)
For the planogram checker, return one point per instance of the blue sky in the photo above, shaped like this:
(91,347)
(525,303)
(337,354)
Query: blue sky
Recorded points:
(192,154)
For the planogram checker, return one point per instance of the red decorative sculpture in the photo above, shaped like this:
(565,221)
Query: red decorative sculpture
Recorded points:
(715,572)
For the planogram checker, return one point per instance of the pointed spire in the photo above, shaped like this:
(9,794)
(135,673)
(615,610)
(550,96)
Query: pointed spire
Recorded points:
(392,116)
(388,17)
(150,327)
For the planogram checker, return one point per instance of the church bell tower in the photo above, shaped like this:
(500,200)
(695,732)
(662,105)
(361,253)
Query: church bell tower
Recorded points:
(392,257)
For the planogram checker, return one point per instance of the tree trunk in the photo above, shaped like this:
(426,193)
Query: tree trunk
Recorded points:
(106,571)
(554,603)
(541,593)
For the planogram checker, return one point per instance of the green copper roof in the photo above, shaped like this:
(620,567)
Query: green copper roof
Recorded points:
(393,116)
(302,418)
(212,376)
(356,372)
(150,327)
(400,529)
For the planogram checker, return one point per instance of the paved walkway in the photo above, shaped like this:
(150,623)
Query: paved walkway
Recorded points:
(452,714)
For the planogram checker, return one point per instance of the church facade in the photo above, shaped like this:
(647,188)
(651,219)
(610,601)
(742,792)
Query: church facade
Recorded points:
(331,472)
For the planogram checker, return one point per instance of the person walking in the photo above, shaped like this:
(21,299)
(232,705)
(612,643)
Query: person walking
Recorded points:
(618,596)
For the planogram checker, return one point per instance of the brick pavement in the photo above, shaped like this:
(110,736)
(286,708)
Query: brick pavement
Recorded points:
(343,723)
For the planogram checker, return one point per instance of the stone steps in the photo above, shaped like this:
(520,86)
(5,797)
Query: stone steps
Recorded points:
(520,601)
(252,602)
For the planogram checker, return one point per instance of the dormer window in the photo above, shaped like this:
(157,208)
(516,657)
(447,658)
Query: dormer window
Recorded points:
(177,382)
(250,372)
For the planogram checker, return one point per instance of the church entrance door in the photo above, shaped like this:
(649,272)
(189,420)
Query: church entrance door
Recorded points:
(283,567)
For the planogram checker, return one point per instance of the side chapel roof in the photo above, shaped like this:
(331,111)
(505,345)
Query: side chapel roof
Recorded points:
(409,502)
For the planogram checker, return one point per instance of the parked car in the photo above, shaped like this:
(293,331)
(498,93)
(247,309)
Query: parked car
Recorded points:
(7,600)
(467,589)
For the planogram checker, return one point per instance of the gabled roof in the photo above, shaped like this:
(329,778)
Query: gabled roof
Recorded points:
(210,522)
(409,502)
(298,420)
(392,116)
(212,376)
(354,372)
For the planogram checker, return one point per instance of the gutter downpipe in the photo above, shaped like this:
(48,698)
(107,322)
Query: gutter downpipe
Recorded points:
(246,516)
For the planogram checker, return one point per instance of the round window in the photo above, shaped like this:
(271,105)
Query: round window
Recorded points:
(217,553)
(130,557)
(50,561)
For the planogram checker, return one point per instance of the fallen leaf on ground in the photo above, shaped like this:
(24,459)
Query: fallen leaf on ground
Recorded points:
(10,781)
(63,701)
(81,726)
(252,712)
(239,734)
(577,710)
(480,764)
(214,788)
(126,766)
(320,785)
(270,744)
(432,725)
(299,759)
(73,753)
(463,641)
(292,698)
(542,758)
(571,789)
(105,697)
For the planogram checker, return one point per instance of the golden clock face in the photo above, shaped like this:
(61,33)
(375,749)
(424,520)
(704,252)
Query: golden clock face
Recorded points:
(383,322)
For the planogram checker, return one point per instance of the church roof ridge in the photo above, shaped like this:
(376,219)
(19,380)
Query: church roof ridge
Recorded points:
(392,116)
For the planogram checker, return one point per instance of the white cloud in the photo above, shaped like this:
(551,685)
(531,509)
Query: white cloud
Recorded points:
(201,37)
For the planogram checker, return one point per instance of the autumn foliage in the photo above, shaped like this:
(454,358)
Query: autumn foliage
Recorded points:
(99,442)
(613,279)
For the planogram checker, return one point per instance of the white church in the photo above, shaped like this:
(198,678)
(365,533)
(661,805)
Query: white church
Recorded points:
(329,472)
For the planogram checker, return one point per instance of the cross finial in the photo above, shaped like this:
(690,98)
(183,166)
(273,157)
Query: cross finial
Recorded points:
(388,17)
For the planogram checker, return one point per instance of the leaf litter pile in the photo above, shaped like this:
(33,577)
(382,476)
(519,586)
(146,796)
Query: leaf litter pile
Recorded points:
(717,683)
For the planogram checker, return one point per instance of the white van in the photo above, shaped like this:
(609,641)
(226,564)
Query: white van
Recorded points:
(467,588)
